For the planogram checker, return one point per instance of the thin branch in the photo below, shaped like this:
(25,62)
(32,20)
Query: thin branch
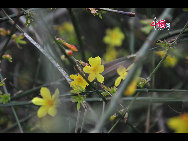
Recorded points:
(15,124)
(130,14)
(77,31)
(13,110)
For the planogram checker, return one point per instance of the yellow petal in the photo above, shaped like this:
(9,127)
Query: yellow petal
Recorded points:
(101,68)
(45,93)
(87,69)
(91,77)
(56,94)
(121,70)
(95,61)
(83,84)
(52,111)
(131,89)
(175,124)
(124,75)
(100,78)
(117,82)
(72,76)
(38,101)
(130,66)
(42,111)
(55,97)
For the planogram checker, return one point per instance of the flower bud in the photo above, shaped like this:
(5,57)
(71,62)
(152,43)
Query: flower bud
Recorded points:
(69,52)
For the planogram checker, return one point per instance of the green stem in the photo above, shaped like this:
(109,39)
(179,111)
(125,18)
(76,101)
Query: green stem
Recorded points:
(17,120)
(13,110)
(158,65)
(77,31)
(123,114)
(132,36)
(172,33)
(136,129)
(15,124)
(14,103)
(35,89)
(130,14)
(112,128)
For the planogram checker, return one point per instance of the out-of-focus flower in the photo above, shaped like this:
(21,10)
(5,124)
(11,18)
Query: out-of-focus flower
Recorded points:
(65,27)
(8,57)
(114,37)
(69,52)
(79,81)
(110,54)
(113,117)
(18,39)
(93,11)
(147,26)
(4,32)
(170,61)
(48,103)
(179,123)
(5,98)
(131,89)
(66,31)
(122,71)
(95,69)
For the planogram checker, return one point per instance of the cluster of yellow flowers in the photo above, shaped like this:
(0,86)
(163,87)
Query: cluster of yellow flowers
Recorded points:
(93,70)
(49,103)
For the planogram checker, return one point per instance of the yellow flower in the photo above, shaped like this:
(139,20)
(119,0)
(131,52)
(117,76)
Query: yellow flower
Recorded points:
(65,27)
(114,37)
(48,103)
(95,69)
(78,81)
(122,71)
(179,123)
(131,89)
(110,54)
(113,117)
(66,31)
(169,61)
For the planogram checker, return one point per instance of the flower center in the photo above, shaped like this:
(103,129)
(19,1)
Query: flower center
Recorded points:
(95,69)
(50,102)
(114,36)
(79,79)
